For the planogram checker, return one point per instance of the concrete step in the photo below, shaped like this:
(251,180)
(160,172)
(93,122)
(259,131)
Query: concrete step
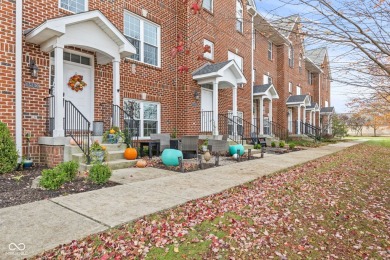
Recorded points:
(115,147)
(111,156)
(114,165)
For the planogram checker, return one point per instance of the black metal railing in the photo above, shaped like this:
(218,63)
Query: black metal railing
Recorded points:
(77,126)
(311,130)
(124,119)
(50,115)
(230,126)
(206,122)
(278,130)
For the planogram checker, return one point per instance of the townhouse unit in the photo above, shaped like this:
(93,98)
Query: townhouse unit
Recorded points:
(76,66)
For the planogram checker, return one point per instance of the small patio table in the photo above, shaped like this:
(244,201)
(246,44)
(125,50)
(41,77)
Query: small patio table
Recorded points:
(151,144)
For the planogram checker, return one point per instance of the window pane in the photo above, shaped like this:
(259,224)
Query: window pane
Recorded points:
(132,27)
(150,111)
(75,58)
(136,45)
(85,60)
(207,4)
(150,34)
(150,127)
(150,54)
(67,56)
(75,6)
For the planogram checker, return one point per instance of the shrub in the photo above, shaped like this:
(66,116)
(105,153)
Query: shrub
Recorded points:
(281,144)
(69,169)
(292,146)
(273,144)
(8,153)
(99,173)
(52,179)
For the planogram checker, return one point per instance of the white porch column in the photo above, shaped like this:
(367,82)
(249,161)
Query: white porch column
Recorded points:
(115,89)
(299,121)
(261,114)
(59,114)
(270,116)
(314,118)
(235,109)
(215,108)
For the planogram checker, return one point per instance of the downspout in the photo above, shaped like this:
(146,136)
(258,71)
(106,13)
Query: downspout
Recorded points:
(176,85)
(319,100)
(252,66)
(18,77)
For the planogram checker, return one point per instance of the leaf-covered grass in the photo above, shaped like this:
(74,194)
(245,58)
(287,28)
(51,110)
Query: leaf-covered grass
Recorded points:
(334,207)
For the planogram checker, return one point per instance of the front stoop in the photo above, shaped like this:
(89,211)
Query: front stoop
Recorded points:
(114,158)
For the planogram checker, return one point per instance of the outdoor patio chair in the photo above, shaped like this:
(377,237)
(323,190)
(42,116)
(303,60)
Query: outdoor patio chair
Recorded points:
(219,146)
(164,140)
(190,144)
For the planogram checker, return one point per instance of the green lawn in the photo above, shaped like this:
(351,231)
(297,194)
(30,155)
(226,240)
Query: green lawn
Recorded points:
(334,207)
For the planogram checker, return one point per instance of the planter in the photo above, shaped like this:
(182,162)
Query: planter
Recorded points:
(170,157)
(112,139)
(27,164)
(130,154)
(98,155)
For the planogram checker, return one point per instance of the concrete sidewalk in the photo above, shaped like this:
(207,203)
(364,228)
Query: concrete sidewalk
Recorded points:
(29,229)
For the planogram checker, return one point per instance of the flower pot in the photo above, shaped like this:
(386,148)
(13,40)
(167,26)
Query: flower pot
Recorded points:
(112,139)
(204,148)
(27,164)
(130,153)
(98,155)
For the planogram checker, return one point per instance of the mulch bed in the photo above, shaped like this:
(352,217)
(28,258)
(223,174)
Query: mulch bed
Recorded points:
(15,187)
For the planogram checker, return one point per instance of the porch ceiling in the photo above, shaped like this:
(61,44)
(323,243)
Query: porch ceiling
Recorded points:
(90,30)
(226,72)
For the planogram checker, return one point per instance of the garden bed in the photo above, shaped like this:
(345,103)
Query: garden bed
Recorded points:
(191,165)
(15,187)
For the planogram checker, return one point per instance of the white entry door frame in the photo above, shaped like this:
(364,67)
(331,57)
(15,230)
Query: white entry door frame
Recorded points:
(82,100)
(207,121)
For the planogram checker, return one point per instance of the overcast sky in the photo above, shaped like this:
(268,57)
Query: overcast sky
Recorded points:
(269,8)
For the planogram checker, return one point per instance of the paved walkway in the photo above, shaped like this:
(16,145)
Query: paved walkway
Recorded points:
(29,229)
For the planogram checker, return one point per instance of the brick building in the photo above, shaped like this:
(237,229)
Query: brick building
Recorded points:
(123,51)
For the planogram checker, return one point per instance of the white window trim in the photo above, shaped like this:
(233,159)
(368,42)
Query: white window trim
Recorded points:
(142,41)
(85,9)
(290,87)
(141,128)
(207,55)
(211,5)
(235,57)
(270,50)
(291,56)
(299,90)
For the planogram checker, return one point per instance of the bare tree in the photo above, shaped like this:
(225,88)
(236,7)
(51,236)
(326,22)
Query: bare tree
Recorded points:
(359,31)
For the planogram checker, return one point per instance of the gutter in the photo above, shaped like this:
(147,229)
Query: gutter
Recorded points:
(18,77)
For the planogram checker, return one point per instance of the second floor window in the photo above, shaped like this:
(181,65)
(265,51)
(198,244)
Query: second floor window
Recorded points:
(208,5)
(145,37)
(300,63)
(309,78)
(208,55)
(270,50)
(75,6)
(298,90)
(290,85)
(291,56)
(239,16)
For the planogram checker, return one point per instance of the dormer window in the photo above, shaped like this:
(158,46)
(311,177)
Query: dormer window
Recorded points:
(291,56)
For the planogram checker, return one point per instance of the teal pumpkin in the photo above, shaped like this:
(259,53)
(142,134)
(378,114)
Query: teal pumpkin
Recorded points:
(233,149)
(169,157)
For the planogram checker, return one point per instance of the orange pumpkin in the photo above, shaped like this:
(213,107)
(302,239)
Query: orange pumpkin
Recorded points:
(141,164)
(130,153)
(112,131)
(72,141)
(103,147)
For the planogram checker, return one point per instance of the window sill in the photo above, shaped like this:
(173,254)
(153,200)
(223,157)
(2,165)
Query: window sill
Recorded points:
(240,32)
(129,60)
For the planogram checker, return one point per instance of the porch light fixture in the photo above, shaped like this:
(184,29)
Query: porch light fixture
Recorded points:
(196,95)
(33,68)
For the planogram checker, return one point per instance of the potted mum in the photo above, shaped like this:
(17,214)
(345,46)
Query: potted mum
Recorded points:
(98,152)
(113,135)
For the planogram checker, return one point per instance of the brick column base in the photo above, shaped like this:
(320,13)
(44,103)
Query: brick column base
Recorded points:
(51,155)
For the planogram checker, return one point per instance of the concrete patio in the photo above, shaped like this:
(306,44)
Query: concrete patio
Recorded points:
(29,229)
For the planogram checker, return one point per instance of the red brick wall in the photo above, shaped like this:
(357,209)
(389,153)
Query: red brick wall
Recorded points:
(51,155)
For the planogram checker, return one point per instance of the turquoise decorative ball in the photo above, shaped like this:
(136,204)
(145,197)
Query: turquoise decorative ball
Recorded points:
(233,149)
(169,157)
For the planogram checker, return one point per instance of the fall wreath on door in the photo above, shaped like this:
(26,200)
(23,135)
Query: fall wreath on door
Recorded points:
(76,83)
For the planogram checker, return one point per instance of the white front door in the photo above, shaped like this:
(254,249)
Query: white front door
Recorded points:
(82,100)
(289,120)
(206,110)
